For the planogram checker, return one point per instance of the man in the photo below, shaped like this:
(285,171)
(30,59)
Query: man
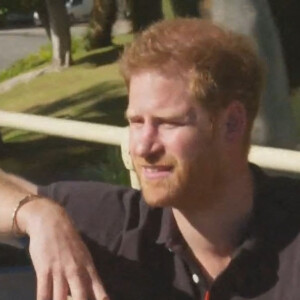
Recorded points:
(207,225)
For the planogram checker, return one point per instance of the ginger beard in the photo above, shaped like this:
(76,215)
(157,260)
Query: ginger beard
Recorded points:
(187,185)
(158,191)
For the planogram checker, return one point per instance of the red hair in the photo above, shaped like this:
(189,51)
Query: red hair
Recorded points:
(220,66)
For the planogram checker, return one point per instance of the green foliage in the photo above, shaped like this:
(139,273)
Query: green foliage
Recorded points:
(77,47)
(30,62)
(110,168)
(89,91)
(296,108)
(87,38)
(3,12)
(167,9)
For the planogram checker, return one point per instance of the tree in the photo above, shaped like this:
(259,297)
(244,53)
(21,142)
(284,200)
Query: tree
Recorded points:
(60,33)
(44,16)
(109,17)
(55,19)
(275,125)
(145,12)
(101,21)
(286,17)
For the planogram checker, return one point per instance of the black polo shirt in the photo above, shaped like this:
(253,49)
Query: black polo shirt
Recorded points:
(140,253)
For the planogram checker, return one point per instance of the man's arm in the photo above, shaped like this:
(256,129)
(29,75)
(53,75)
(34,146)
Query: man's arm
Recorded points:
(12,190)
(61,260)
(20,182)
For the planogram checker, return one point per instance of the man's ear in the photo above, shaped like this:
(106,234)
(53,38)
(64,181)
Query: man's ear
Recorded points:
(234,122)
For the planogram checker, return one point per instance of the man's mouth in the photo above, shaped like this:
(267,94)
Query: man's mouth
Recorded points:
(156,172)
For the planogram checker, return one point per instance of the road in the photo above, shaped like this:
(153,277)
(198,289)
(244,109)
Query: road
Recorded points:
(17,43)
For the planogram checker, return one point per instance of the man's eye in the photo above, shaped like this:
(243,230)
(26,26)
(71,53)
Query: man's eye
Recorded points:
(135,122)
(170,125)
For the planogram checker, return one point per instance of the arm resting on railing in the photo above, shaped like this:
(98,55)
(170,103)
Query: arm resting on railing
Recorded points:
(57,251)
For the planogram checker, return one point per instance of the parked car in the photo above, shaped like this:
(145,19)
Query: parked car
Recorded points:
(78,11)
(36,19)
(19,18)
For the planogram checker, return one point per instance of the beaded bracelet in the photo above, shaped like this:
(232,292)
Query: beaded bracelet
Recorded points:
(15,229)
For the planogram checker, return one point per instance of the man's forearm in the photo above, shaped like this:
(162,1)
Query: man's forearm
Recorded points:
(24,184)
(12,190)
(55,245)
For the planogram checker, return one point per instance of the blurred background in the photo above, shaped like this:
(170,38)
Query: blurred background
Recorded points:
(59,59)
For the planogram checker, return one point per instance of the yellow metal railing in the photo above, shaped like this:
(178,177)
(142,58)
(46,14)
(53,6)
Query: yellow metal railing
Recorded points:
(266,157)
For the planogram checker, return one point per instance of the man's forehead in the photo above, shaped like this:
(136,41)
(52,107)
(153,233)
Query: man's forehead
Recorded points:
(188,113)
(151,89)
(174,108)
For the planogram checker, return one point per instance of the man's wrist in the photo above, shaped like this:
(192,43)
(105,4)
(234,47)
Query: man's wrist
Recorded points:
(35,214)
(15,228)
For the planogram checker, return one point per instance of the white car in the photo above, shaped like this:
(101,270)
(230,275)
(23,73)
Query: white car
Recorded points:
(36,19)
(79,10)
(19,18)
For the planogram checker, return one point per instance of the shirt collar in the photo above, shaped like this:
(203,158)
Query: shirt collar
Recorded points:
(170,235)
(255,261)
(168,227)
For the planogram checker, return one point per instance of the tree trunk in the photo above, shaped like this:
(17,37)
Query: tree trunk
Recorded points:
(275,125)
(122,24)
(102,19)
(185,8)
(205,8)
(286,17)
(60,33)
(44,17)
(145,12)
(1,142)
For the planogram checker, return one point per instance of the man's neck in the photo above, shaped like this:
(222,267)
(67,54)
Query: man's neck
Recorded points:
(214,233)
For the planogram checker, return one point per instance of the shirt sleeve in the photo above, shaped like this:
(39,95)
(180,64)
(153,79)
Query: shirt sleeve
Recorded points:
(100,211)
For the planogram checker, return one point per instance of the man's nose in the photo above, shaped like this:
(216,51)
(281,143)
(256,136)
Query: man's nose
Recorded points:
(147,142)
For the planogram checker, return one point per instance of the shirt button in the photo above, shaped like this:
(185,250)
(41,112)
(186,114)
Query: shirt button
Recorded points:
(195,278)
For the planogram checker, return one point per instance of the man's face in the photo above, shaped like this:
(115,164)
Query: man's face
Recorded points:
(172,144)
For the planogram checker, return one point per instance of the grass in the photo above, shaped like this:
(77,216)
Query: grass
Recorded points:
(44,55)
(55,87)
(91,90)
(27,63)
(41,58)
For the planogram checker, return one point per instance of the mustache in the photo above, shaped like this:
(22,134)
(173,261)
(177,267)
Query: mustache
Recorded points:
(154,161)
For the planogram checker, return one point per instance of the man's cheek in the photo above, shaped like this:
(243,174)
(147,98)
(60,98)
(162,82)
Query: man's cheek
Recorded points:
(189,151)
